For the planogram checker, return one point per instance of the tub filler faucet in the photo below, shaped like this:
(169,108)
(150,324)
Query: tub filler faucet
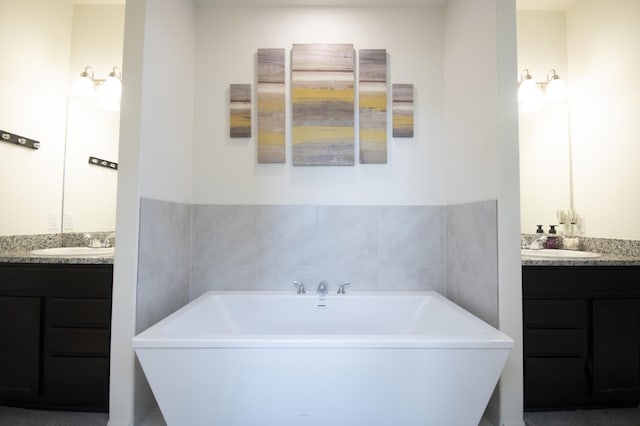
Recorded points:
(322,291)
(322,288)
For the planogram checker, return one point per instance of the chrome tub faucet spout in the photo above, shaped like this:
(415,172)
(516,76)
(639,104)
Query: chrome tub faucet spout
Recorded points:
(322,288)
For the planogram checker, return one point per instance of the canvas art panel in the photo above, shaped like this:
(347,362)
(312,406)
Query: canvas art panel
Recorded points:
(373,105)
(322,99)
(402,110)
(271,106)
(240,110)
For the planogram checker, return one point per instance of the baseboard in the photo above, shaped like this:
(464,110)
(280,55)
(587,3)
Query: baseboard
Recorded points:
(112,423)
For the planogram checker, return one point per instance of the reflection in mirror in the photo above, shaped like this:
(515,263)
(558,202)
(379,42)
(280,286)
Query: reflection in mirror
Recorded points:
(545,165)
(56,40)
(89,189)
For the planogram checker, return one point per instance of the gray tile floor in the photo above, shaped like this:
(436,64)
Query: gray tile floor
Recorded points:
(10,416)
(606,417)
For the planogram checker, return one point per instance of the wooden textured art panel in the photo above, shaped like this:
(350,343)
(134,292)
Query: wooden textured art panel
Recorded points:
(271,106)
(373,105)
(322,97)
(240,110)
(402,110)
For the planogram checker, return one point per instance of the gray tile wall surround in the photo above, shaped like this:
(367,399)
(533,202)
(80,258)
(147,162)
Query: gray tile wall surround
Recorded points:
(164,260)
(471,261)
(268,247)
(186,250)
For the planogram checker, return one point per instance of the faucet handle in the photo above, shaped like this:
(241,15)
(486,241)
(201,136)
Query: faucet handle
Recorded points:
(300,286)
(341,287)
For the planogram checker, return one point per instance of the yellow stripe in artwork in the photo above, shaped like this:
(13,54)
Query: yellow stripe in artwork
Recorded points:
(305,94)
(402,121)
(373,135)
(270,138)
(316,133)
(239,121)
(271,105)
(373,102)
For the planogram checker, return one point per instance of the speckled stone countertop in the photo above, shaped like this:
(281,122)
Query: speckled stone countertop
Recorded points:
(604,260)
(26,257)
(614,253)
(17,248)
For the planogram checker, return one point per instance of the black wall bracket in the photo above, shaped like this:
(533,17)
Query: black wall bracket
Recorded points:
(18,140)
(103,163)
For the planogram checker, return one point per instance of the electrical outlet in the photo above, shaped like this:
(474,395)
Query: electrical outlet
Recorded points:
(54,221)
(68,222)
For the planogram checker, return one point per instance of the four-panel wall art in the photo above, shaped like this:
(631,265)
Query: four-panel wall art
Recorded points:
(323,90)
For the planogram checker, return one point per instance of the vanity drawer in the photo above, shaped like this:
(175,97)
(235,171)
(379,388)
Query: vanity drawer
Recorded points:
(570,314)
(555,342)
(90,313)
(85,342)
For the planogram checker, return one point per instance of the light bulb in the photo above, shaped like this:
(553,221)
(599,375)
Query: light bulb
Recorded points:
(529,94)
(112,87)
(84,86)
(556,91)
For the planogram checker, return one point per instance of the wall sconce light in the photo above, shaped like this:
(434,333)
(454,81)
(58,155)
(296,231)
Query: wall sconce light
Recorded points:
(85,86)
(531,93)
(108,90)
(555,90)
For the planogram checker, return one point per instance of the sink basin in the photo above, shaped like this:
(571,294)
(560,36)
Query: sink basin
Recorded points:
(74,251)
(559,254)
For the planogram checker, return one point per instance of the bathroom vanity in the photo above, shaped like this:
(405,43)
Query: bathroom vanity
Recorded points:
(581,334)
(55,334)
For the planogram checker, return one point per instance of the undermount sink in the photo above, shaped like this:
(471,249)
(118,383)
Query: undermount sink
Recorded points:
(74,251)
(559,254)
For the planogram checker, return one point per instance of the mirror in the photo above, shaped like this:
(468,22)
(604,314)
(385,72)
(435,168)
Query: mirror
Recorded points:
(582,155)
(54,188)
(90,187)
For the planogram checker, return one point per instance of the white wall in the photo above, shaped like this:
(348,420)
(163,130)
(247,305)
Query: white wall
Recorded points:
(156,135)
(544,135)
(168,106)
(471,152)
(226,170)
(35,36)
(481,156)
(604,64)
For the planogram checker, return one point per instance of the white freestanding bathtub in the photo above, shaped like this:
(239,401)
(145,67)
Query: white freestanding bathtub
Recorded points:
(362,359)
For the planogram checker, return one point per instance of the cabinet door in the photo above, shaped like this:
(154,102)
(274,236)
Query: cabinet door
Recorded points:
(616,351)
(19,347)
(555,383)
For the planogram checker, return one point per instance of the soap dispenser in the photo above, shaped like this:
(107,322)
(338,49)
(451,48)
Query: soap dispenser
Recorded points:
(540,240)
(553,242)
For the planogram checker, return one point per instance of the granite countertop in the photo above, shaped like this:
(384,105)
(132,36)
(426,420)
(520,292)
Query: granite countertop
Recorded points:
(23,256)
(17,248)
(605,260)
(615,252)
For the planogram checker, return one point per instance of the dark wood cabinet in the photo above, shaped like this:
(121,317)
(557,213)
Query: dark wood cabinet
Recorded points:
(55,335)
(581,336)
(19,346)
(616,350)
